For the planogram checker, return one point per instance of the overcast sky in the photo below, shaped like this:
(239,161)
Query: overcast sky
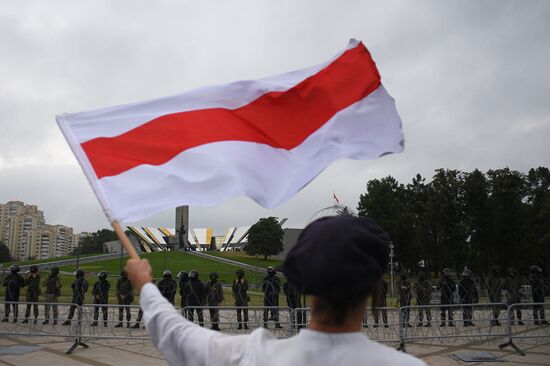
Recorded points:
(471,80)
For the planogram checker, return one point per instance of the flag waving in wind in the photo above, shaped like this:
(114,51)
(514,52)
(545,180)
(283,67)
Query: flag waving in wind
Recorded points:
(265,139)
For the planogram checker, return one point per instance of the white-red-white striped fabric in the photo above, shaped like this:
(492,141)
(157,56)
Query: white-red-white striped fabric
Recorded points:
(265,139)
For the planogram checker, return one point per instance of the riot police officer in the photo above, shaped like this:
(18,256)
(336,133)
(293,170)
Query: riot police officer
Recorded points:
(100,293)
(512,285)
(405,295)
(52,292)
(13,283)
(167,286)
(195,292)
(125,297)
(447,287)
(271,288)
(294,301)
(183,277)
(537,288)
(494,288)
(381,302)
(214,297)
(240,294)
(467,292)
(423,291)
(33,293)
(79,288)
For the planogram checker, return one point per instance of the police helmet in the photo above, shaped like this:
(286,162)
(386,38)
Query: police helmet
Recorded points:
(535,269)
(14,268)
(33,269)
(79,273)
(102,275)
(194,275)
(55,270)
(271,270)
(182,275)
(239,272)
(167,273)
(467,273)
(213,275)
(495,268)
(447,272)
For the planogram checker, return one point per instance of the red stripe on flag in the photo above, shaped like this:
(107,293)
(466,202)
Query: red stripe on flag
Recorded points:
(278,119)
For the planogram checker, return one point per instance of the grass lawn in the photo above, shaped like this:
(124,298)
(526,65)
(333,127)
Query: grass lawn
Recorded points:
(41,261)
(248,259)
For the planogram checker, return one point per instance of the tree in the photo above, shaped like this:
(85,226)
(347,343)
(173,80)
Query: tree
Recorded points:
(5,255)
(345,211)
(265,238)
(94,243)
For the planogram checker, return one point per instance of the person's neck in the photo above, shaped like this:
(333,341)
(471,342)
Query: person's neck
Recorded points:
(349,326)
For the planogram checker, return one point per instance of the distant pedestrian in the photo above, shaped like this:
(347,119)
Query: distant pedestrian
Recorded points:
(240,294)
(467,292)
(404,289)
(79,287)
(100,293)
(494,288)
(423,291)
(214,298)
(125,297)
(13,283)
(183,277)
(537,289)
(167,286)
(195,291)
(447,287)
(271,287)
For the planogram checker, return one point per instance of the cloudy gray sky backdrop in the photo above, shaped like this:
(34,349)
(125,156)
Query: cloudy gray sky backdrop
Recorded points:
(471,80)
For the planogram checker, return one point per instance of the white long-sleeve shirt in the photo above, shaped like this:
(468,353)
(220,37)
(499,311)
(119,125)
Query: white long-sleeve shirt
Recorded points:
(184,343)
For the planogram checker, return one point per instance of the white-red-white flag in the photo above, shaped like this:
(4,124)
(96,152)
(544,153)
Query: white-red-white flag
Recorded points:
(265,139)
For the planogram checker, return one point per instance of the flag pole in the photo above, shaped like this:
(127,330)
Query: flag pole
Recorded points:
(124,240)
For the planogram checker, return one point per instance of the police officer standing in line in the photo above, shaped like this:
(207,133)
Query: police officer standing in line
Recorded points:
(167,286)
(537,288)
(214,297)
(447,287)
(13,283)
(382,302)
(125,297)
(100,293)
(467,291)
(294,301)
(240,294)
(183,277)
(512,285)
(79,287)
(494,288)
(195,291)
(271,287)
(33,293)
(405,296)
(423,291)
(52,292)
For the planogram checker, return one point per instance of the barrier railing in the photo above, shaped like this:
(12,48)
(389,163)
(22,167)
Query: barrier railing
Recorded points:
(240,319)
(526,324)
(457,323)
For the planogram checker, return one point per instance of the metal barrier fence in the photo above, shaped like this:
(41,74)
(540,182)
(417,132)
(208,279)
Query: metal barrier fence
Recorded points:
(240,320)
(527,324)
(382,326)
(440,324)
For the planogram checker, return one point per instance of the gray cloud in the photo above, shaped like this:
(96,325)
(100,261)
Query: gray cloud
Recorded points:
(471,81)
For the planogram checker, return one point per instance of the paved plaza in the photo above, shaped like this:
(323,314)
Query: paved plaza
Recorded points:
(41,351)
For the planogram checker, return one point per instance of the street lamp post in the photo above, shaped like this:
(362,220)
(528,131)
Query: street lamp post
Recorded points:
(391,268)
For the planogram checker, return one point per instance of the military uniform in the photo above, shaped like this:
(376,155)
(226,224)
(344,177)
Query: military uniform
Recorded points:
(423,291)
(79,288)
(467,291)
(512,285)
(195,292)
(240,294)
(382,302)
(293,300)
(271,287)
(405,295)
(33,295)
(447,287)
(168,287)
(125,297)
(51,293)
(214,297)
(537,289)
(494,288)
(13,283)
(100,293)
